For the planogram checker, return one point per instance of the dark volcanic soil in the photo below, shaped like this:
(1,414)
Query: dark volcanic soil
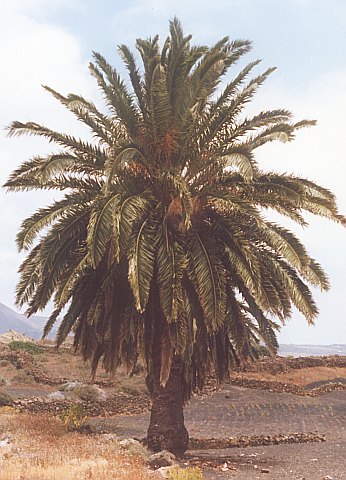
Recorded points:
(236,411)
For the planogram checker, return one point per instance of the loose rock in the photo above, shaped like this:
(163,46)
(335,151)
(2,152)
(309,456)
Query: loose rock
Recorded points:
(56,396)
(164,471)
(129,442)
(161,459)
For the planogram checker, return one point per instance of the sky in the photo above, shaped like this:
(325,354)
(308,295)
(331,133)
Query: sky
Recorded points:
(51,42)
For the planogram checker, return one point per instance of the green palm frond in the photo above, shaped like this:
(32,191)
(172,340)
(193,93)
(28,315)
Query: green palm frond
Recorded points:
(131,211)
(208,276)
(90,152)
(30,272)
(135,77)
(171,267)
(57,249)
(101,226)
(101,126)
(141,258)
(69,280)
(116,94)
(114,165)
(44,217)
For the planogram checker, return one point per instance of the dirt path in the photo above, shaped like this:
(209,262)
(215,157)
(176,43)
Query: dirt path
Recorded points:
(237,411)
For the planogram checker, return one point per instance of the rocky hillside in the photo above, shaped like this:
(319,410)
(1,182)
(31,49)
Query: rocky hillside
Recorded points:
(11,320)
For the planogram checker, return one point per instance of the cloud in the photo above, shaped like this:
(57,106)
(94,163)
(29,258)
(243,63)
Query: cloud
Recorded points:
(318,154)
(28,6)
(195,18)
(32,53)
(35,52)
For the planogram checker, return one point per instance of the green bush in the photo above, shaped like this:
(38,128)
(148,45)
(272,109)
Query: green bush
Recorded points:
(28,347)
(133,385)
(2,380)
(88,393)
(5,398)
(186,474)
(74,417)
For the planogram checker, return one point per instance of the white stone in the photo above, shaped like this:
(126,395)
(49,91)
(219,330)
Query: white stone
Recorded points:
(56,396)
(70,386)
(161,459)
(164,471)
(129,442)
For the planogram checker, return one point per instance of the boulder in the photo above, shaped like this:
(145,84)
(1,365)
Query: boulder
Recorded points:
(161,459)
(5,399)
(71,386)
(129,442)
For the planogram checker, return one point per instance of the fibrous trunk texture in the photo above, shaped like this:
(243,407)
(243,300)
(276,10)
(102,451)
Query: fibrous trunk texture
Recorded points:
(167,430)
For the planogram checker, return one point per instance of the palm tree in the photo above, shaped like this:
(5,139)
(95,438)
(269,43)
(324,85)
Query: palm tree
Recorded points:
(159,248)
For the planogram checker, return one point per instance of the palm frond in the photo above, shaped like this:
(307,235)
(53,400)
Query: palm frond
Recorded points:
(141,258)
(208,276)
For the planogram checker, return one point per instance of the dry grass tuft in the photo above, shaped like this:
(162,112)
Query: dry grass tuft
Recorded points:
(43,450)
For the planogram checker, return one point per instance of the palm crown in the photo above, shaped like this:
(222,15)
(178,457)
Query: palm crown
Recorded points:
(160,237)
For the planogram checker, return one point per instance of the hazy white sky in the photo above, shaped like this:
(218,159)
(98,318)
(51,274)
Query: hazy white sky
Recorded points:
(50,42)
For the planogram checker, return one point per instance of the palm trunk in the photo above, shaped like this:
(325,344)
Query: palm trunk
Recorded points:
(166,429)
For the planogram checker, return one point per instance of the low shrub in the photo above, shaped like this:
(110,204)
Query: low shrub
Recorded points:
(189,473)
(5,399)
(137,369)
(134,385)
(2,381)
(28,347)
(88,393)
(74,417)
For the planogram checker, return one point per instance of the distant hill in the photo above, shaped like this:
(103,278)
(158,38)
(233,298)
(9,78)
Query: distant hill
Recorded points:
(312,350)
(11,320)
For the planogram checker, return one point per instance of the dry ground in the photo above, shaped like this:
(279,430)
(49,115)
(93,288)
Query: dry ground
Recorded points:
(64,364)
(301,377)
(45,451)
(236,411)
